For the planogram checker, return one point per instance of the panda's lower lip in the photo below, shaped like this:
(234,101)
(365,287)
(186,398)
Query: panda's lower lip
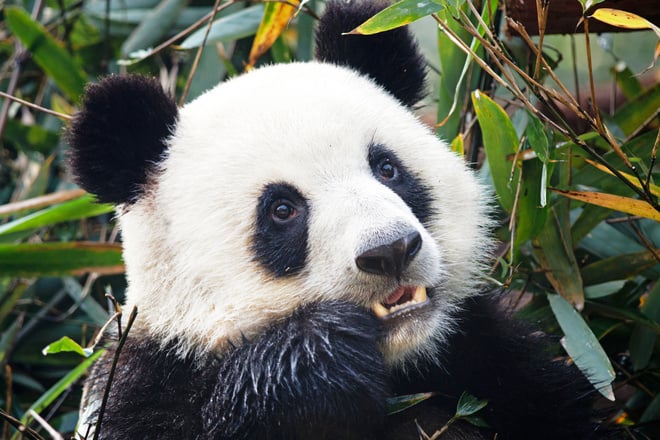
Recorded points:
(401,301)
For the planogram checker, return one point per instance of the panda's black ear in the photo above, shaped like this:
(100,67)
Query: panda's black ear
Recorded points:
(119,136)
(391,58)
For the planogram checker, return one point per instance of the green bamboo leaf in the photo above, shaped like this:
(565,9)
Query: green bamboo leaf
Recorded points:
(554,249)
(469,405)
(536,137)
(401,403)
(501,143)
(582,346)
(47,53)
(637,112)
(232,27)
(66,344)
(627,81)
(61,385)
(82,207)
(399,14)
(156,24)
(28,260)
(642,340)
(619,267)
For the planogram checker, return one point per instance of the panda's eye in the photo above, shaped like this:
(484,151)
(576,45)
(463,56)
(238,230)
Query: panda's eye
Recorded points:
(283,211)
(387,170)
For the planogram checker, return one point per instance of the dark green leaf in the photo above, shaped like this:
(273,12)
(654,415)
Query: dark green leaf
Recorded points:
(401,403)
(47,52)
(28,260)
(469,404)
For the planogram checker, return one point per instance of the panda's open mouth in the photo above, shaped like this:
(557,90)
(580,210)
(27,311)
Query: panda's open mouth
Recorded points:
(402,300)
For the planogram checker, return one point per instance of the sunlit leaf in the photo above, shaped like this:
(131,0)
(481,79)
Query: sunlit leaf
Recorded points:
(623,19)
(401,403)
(500,141)
(582,346)
(614,202)
(276,17)
(82,207)
(66,344)
(654,189)
(399,14)
(47,52)
(457,145)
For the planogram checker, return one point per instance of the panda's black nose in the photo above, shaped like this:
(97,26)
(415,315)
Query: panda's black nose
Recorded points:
(392,258)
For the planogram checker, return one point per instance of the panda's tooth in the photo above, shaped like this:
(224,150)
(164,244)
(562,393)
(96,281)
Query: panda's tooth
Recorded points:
(419,296)
(380,310)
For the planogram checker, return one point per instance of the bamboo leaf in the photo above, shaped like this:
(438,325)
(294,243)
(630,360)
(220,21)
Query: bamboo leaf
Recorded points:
(582,346)
(469,405)
(399,14)
(401,403)
(28,260)
(614,202)
(277,16)
(47,52)
(62,385)
(555,253)
(654,189)
(232,27)
(82,207)
(500,141)
(624,19)
(156,24)
(66,344)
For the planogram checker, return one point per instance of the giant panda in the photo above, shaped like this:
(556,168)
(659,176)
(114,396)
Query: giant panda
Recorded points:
(300,248)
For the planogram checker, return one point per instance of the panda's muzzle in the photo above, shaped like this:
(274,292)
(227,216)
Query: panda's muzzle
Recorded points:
(392,258)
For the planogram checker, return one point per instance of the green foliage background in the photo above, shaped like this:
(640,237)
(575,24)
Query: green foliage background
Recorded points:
(578,269)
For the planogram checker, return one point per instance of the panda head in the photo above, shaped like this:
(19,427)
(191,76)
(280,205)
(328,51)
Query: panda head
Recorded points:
(287,185)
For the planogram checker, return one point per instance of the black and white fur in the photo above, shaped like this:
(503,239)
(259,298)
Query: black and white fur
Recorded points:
(268,223)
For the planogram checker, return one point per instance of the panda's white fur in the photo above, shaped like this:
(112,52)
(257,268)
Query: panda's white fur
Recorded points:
(190,268)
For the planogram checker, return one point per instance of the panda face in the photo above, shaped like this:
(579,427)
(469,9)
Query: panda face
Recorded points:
(320,187)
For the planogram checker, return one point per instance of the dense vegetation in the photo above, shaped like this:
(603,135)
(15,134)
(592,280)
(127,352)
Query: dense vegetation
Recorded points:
(578,204)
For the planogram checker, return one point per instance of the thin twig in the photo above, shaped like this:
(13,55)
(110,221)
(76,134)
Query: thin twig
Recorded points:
(35,106)
(198,55)
(24,430)
(111,373)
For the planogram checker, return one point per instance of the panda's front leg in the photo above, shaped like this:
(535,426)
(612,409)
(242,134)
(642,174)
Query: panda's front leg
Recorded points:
(319,374)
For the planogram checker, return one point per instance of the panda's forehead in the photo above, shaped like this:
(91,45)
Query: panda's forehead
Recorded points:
(306,122)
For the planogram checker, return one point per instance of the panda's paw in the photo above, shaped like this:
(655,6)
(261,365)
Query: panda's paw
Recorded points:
(319,374)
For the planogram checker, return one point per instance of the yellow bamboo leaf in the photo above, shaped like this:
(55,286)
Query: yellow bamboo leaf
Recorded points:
(655,189)
(457,145)
(624,19)
(617,203)
(277,16)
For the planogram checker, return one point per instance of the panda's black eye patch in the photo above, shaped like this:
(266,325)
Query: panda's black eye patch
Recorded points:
(280,238)
(390,171)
